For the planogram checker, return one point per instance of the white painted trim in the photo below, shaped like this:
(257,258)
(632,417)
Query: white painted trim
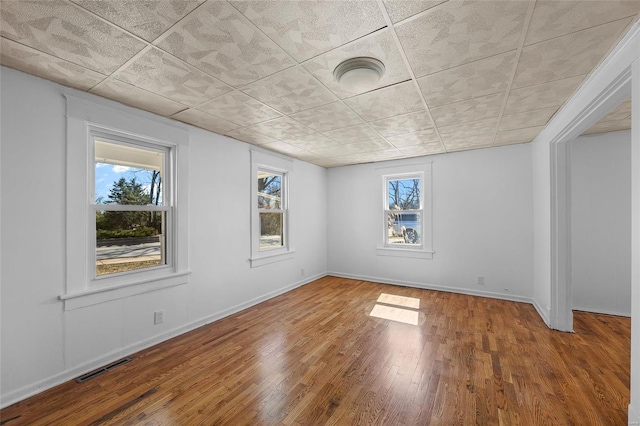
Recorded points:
(427,286)
(543,312)
(634,416)
(64,376)
(404,252)
(604,312)
(271,258)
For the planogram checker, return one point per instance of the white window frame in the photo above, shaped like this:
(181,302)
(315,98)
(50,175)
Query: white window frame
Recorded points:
(265,162)
(422,170)
(87,120)
(388,210)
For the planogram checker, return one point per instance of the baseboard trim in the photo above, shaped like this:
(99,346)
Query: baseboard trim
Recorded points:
(492,295)
(634,416)
(544,313)
(70,374)
(605,312)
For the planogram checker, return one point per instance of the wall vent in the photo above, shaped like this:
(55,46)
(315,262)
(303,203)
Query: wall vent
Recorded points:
(101,370)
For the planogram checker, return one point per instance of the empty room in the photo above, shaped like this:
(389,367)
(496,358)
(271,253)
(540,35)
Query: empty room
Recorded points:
(397,212)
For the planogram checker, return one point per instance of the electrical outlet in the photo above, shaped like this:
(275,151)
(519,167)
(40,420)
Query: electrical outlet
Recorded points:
(158,317)
(302,272)
(480,280)
(506,290)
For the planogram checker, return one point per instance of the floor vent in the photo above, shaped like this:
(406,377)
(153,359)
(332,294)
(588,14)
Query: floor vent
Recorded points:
(101,370)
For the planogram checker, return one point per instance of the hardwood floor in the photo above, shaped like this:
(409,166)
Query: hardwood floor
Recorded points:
(315,356)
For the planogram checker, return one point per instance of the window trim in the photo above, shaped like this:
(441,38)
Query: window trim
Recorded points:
(284,208)
(425,249)
(262,161)
(387,209)
(84,120)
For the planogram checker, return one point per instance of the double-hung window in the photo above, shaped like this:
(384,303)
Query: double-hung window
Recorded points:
(272,209)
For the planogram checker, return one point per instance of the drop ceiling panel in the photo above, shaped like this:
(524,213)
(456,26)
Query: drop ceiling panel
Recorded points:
(328,117)
(371,145)
(219,40)
(609,126)
(402,9)
(34,62)
(401,124)
(422,149)
(458,32)
(161,73)
(239,108)
(554,93)
(283,128)
(387,102)
(146,19)
(251,136)
(361,132)
(424,137)
(471,110)
(290,91)
(566,56)
(552,18)
(510,137)
(379,45)
(308,28)
(522,120)
(479,78)
(68,32)
(133,96)
(314,142)
(205,121)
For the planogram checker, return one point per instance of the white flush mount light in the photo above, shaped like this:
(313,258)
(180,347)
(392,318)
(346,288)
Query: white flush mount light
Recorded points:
(357,75)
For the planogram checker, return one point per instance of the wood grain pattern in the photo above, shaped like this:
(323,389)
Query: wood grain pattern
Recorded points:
(315,356)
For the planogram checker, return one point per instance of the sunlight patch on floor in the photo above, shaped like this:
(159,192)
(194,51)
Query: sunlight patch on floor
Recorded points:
(406,302)
(395,314)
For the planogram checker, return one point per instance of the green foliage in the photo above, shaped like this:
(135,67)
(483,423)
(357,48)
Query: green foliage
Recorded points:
(145,231)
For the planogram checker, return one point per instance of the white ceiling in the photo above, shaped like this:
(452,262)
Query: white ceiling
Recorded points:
(460,75)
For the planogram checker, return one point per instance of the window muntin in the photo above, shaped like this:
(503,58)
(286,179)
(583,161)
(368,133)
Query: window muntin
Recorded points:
(131,214)
(272,209)
(404,210)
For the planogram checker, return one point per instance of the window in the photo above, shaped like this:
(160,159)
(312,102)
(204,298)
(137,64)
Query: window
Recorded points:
(404,210)
(132,205)
(271,240)
(406,219)
(127,203)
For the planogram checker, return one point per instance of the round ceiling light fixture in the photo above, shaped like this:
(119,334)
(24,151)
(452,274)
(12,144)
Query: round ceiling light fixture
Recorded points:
(357,75)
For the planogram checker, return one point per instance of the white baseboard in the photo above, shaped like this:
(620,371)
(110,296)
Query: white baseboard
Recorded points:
(603,311)
(543,312)
(71,373)
(634,416)
(492,295)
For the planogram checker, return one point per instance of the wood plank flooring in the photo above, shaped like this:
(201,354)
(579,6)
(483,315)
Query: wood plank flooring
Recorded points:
(314,356)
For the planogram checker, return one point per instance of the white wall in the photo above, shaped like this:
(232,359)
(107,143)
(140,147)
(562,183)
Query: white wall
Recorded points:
(42,344)
(601,223)
(482,224)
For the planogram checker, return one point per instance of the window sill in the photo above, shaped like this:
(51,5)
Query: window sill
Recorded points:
(95,295)
(266,259)
(404,252)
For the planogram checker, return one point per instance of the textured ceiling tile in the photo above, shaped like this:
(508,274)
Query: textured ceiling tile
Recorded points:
(369,146)
(68,32)
(205,121)
(523,120)
(285,148)
(555,18)
(379,45)
(331,151)
(609,126)
(402,9)
(420,150)
(621,111)
(283,128)
(24,58)
(382,103)
(361,132)
(458,32)
(144,18)
(135,97)
(474,128)
(239,108)
(425,137)
(401,124)
(308,28)
(471,110)
(477,143)
(313,142)
(566,56)
(290,91)
(479,78)
(387,154)
(328,117)
(251,136)
(220,41)
(517,136)
(161,73)
(544,95)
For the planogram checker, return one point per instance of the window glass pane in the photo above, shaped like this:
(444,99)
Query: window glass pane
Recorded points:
(271,230)
(126,241)
(404,228)
(404,194)
(127,175)
(269,190)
